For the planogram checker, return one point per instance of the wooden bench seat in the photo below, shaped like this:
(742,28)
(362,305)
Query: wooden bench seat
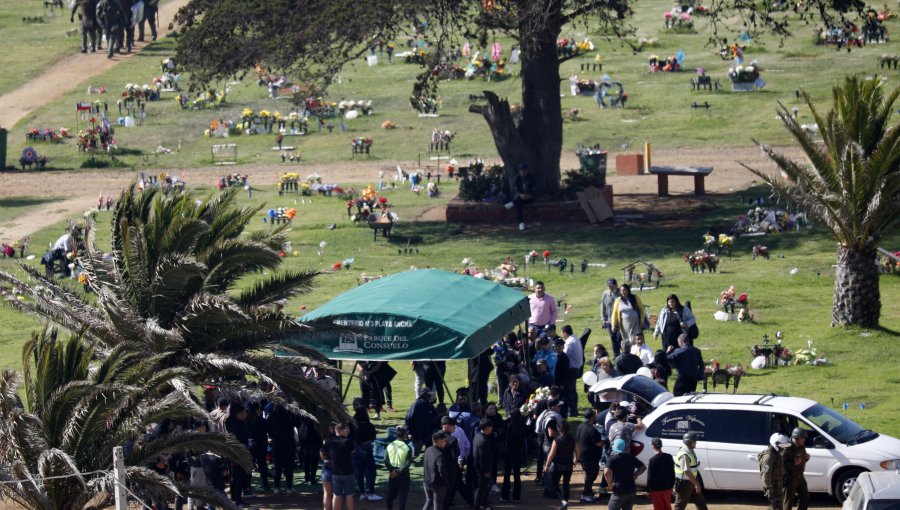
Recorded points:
(663,172)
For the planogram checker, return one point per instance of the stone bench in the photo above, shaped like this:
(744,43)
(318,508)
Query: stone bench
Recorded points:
(663,172)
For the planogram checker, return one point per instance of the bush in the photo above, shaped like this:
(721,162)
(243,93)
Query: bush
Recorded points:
(487,184)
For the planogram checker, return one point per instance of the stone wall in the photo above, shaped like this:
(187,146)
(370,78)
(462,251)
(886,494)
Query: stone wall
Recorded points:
(462,211)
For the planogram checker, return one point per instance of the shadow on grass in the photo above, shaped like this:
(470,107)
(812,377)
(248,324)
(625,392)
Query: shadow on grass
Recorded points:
(24,201)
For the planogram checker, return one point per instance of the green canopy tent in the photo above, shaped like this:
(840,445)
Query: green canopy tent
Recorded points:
(415,315)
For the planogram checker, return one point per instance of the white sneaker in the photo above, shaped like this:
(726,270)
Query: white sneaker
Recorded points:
(364,496)
(587,499)
(521,226)
(509,205)
(495,489)
(374,497)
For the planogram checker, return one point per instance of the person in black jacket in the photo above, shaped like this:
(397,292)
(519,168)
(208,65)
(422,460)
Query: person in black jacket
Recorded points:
(561,370)
(284,445)
(310,445)
(627,363)
(236,424)
(259,441)
(590,449)
(434,479)
(421,420)
(483,455)
(660,477)
(688,360)
(364,435)
(514,439)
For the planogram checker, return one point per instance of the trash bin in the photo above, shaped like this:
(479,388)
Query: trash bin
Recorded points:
(593,162)
(2,149)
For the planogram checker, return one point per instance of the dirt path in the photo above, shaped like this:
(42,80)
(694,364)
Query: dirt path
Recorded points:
(77,190)
(59,77)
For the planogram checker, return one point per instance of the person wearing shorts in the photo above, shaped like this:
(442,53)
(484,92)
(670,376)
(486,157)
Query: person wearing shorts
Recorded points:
(339,450)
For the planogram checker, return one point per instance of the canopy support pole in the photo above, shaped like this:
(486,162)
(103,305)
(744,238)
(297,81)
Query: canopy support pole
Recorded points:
(444,382)
(349,380)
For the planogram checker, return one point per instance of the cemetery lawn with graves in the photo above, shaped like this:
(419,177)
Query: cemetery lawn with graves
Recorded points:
(861,368)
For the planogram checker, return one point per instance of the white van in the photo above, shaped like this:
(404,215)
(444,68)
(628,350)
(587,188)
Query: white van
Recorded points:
(734,428)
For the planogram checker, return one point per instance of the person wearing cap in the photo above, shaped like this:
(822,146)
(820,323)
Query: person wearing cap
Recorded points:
(624,429)
(620,473)
(771,469)
(524,193)
(483,462)
(607,300)
(547,428)
(660,477)
(421,419)
(544,309)
(627,314)
(435,477)
(457,453)
(687,481)
(794,459)
(547,353)
(397,459)
(590,448)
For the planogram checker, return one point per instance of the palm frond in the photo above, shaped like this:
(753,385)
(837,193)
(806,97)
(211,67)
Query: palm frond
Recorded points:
(280,286)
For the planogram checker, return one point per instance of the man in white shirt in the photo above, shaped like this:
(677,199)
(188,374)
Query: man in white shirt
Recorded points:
(575,352)
(543,307)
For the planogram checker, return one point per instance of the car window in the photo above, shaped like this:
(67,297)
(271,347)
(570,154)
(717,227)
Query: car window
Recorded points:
(738,426)
(884,504)
(837,425)
(674,424)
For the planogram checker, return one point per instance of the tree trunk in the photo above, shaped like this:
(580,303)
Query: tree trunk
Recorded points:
(857,300)
(536,139)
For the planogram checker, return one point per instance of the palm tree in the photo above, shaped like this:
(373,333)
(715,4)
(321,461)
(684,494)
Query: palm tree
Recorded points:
(171,290)
(56,449)
(850,184)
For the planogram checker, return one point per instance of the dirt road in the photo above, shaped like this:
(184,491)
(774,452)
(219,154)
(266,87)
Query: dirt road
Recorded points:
(58,78)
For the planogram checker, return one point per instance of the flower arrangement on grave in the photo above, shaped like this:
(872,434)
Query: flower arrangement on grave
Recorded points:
(668,65)
(96,137)
(586,86)
(132,92)
(566,47)
(701,10)
(426,104)
(709,241)
(299,124)
(46,135)
(744,74)
(531,404)
(760,251)
(30,158)
(388,125)
(760,219)
(809,356)
(701,261)
(360,141)
(726,241)
(573,114)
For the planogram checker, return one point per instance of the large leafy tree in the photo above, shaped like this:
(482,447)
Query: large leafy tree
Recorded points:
(56,447)
(312,39)
(850,183)
(183,286)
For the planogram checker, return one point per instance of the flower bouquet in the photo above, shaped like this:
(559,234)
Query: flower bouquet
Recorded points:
(726,242)
(531,404)
(30,158)
(701,262)
(760,251)
(46,135)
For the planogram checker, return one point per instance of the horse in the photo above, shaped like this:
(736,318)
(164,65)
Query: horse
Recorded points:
(113,19)
(87,15)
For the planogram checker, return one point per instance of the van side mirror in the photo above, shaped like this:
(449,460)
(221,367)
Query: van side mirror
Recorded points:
(822,442)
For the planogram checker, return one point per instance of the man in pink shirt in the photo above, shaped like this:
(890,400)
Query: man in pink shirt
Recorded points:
(543,307)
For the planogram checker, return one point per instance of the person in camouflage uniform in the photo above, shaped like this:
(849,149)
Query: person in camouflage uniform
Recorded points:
(794,459)
(772,470)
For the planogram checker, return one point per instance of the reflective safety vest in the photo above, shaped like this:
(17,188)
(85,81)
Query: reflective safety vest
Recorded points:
(398,453)
(691,460)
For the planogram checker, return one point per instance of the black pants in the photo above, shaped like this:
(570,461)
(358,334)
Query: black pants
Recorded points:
(591,471)
(563,473)
(284,466)
(512,465)
(520,208)
(262,466)
(458,484)
(310,458)
(371,393)
(398,489)
(433,497)
(483,492)
(239,479)
(149,17)
(683,386)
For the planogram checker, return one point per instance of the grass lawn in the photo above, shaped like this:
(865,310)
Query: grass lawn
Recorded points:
(862,368)
(659,110)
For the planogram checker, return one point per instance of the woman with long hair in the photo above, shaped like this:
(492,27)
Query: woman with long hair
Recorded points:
(674,319)
(627,315)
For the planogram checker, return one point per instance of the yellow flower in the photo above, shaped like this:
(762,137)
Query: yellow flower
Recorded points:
(264,113)
(247,112)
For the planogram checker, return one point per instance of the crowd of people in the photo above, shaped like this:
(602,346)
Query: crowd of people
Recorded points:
(477,448)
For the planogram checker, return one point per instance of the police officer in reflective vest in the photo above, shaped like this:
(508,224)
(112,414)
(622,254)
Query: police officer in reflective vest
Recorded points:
(397,460)
(687,481)
(772,470)
(794,459)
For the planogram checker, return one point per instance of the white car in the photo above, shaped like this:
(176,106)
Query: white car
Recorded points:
(875,491)
(734,428)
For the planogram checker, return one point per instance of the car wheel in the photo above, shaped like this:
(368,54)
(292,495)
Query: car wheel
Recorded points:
(844,482)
